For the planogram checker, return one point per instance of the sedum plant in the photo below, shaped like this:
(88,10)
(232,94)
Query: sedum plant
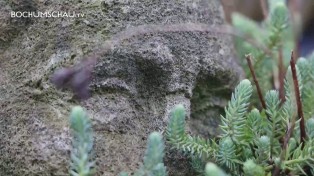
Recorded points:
(277,140)
(82,144)
(212,169)
(269,42)
(153,160)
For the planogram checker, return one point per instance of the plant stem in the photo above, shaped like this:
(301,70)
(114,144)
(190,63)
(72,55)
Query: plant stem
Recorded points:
(292,123)
(281,75)
(259,91)
(264,8)
(285,145)
(298,99)
(289,162)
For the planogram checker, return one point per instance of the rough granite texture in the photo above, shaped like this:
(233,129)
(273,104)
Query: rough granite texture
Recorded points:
(135,85)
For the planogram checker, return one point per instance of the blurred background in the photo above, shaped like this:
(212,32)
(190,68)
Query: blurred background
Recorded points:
(300,8)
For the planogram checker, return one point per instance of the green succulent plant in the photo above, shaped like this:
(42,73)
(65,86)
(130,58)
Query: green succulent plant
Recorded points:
(82,145)
(153,160)
(253,141)
(256,142)
(81,164)
(270,43)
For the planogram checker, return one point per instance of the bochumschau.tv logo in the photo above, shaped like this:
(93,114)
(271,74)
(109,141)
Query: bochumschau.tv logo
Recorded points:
(49,14)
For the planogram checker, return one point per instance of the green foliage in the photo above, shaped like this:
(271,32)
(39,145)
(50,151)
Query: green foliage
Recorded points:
(153,159)
(211,169)
(276,128)
(235,119)
(81,164)
(310,128)
(255,143)
(252,169)
(227,155)
(307,73)
(251,141)
(262,150)
(265,41)
(180,140)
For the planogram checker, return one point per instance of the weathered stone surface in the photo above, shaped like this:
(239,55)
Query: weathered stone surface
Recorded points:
(135,85)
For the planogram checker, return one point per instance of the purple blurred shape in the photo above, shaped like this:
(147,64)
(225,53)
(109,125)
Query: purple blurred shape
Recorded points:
(77,78)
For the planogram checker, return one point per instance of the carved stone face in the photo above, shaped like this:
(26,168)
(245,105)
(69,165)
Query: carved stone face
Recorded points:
(146,76)
(138,83)
(134,86)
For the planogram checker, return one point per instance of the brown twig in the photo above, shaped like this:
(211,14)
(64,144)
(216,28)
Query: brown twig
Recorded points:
(298,99)
(228,7)
(281,75)
(285,145)
(264,8)
(259,91)
(292,123)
